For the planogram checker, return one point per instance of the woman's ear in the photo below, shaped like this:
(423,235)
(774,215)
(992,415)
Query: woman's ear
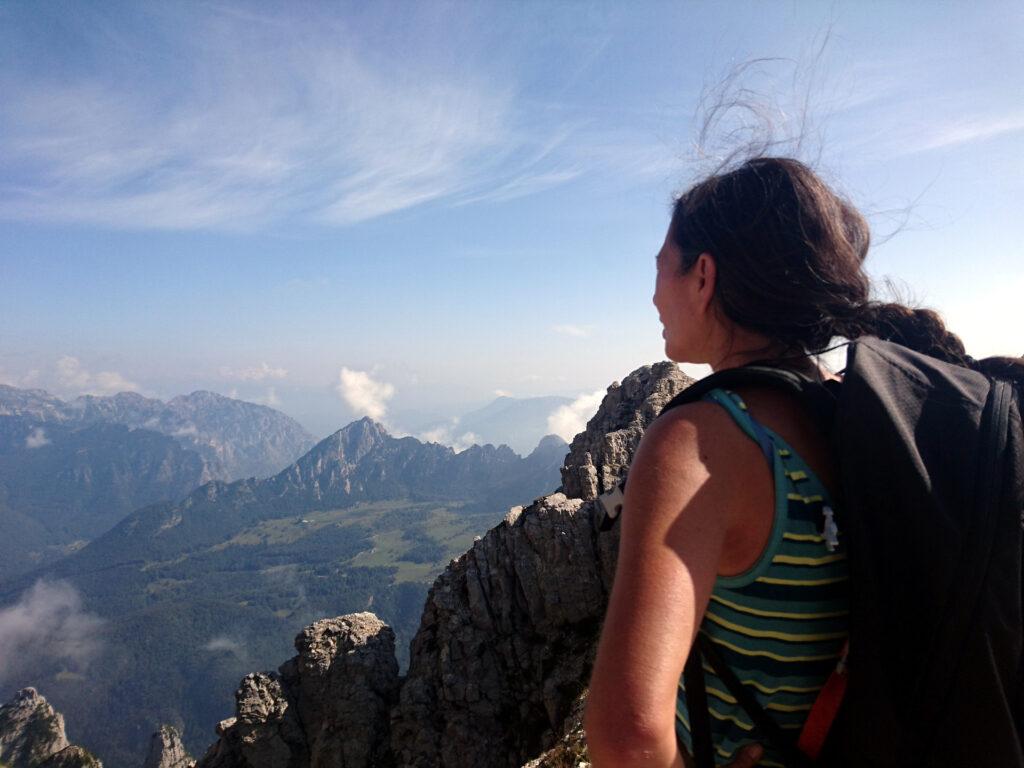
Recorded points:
(707,275)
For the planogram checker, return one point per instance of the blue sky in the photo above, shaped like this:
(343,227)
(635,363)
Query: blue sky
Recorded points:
(450,200)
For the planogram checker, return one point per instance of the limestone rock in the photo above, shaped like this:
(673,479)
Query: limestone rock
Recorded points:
(328,707)
(571,751)
(32,736)
(600,455)
(166,750)
(72,757)
(506,642)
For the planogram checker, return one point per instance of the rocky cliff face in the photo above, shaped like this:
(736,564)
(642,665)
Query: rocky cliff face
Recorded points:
(504,650)
(32,736)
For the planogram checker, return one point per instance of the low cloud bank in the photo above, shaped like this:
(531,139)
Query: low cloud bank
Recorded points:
(73,377)
(567,421)
(447,434)
(48,623)
(37,438)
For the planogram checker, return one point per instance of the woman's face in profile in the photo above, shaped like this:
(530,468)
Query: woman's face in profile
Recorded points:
(675,297)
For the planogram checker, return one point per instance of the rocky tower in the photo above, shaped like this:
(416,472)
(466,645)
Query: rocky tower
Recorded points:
(505,646)
(166,750)
(32,736)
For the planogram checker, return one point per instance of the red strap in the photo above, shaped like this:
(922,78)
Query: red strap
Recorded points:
(823,713)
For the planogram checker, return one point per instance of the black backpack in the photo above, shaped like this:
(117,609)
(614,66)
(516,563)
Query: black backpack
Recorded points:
(931,506)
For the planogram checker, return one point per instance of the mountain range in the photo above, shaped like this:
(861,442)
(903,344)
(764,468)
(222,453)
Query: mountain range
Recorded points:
(518,422)
(193,592)
(236,439)
(70,470)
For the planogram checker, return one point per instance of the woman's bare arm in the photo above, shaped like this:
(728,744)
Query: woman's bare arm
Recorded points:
(679,503)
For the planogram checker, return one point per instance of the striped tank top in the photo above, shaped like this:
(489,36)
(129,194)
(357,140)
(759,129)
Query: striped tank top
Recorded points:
(782,624)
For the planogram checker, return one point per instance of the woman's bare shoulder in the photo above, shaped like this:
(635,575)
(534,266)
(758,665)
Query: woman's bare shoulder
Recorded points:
(701,430)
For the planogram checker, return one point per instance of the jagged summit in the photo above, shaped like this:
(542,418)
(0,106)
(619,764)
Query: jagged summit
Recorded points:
(166,750)
(32,736)
(350,443)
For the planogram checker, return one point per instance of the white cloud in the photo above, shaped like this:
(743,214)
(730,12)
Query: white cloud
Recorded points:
(37,438)
(567,421)
(224,643)
(26,381)
(578,331)
(270,399)
(254,373)
(464,441)
(48,623)
(441,435)
(447,434)
(364,395)
(76,379)
(502,393)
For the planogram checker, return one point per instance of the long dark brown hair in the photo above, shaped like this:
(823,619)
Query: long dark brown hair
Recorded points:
(789,254)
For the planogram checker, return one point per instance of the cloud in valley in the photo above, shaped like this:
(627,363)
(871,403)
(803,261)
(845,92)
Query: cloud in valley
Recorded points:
(74,378)
(37,438)
(224,643)
(48,623)
(567,421)
(363,394)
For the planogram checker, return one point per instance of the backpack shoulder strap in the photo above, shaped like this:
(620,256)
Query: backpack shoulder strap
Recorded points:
(819,398)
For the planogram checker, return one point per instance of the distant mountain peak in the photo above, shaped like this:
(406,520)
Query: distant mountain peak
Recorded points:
(551,441)
(348,445)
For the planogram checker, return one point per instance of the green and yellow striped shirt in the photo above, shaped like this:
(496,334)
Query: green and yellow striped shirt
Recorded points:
(780,626)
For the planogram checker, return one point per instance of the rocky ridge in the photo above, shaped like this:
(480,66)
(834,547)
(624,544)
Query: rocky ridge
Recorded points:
(32,736)
(505,645)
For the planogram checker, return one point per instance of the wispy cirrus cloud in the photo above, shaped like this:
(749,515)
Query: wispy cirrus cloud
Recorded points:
(272,118)
(968,129)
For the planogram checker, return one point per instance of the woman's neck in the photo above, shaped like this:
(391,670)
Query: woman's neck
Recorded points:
(763,351)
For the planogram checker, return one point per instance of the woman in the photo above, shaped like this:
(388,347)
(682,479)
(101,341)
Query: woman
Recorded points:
(763,263)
